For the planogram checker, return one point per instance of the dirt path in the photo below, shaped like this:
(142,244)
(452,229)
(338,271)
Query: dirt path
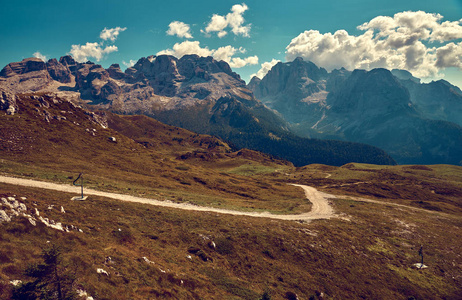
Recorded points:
(320,210)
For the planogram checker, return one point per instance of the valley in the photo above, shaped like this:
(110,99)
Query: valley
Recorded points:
(217,247)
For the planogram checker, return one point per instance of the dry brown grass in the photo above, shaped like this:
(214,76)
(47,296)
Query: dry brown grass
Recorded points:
(366,252)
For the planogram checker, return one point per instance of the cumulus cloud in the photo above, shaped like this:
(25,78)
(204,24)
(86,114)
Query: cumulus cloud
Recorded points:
(81,53)
(234,20)
(265,67)
(225,53)
(415,41)
(179,29)
(40,55)
(237,62)
(111,33)
(130,63)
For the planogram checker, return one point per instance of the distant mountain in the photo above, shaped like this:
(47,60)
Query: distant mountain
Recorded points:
(196,93)
(416,123)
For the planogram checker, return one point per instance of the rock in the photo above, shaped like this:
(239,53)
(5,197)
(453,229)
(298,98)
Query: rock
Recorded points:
(8,102)
(101,271)
(32,221)
(22,207)
(6,203)
(16,282)
(62,210)
(25,66)
(115,72)
(4,217)
(58,71)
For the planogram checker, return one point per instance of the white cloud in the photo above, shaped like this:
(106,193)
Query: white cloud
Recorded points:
(111,33)
(265,67)
(234,20)
(130,63)
(414,41)
(187,47)
(179,29)
(40,55)
(238,62)
(82,53)
(225,53)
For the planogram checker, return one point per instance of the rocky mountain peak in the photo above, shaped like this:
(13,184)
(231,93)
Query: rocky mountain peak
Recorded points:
(25,66)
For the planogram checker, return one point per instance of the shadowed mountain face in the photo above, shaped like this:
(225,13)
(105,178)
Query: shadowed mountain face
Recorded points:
(416,123)
(196,93)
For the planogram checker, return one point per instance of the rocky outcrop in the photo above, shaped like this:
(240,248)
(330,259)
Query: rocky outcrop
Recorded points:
(58,71)
(115,72)
(8,102)
(25,66)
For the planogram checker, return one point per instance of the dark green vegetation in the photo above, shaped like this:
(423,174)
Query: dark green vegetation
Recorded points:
(367,251)
(259,129)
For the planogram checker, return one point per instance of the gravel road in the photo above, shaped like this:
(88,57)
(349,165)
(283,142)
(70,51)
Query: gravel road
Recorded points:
(320,209)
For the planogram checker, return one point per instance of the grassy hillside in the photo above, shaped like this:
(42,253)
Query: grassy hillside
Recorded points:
(366,251)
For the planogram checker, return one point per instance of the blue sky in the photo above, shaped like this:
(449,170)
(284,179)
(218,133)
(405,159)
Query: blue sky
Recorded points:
(422,36)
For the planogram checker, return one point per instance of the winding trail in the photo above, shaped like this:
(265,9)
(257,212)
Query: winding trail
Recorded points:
(320,209)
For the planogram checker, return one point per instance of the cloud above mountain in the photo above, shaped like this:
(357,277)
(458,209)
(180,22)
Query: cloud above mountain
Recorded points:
(37,54)
(82,53)
(179,29)
(233,20)
(265,68)
(224,53)
(111,33)
(419,42)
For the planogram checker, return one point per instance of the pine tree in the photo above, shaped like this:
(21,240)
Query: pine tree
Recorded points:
(52,280)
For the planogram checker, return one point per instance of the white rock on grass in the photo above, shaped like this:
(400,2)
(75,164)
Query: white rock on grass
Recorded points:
(102,271)
(22,207)
(83,293)
(4,217)
(15,282)
(6,203)
(62,210)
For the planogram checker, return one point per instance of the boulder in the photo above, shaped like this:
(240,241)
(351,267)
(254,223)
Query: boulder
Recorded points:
(8,102)
(4,217)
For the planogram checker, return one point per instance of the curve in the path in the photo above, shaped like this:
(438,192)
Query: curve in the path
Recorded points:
(320,210)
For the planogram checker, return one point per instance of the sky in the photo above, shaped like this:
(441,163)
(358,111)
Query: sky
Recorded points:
(423,37)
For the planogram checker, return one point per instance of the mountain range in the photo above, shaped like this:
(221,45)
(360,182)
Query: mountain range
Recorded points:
(196,93)
(416,123)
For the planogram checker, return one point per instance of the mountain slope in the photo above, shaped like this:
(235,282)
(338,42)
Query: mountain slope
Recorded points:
(407,119)
(196,93)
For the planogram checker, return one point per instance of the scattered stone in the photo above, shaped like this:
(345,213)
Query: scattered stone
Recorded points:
(147,260)
(212,245)
(4,217)
(101,271)
(15,282)
(419,266)
(112,139)
(22,207)
(62,210)
(32,221)
(83,293)
(6,203)
(37,213)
